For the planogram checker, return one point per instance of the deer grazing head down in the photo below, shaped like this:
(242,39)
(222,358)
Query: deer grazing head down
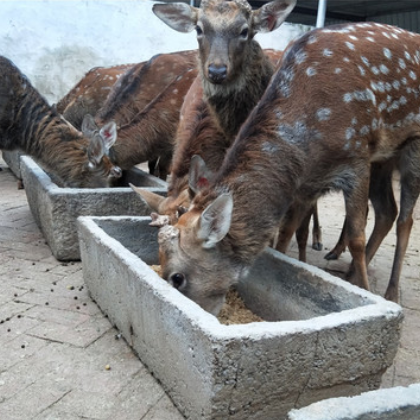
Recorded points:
(225,31)
(30,124)
(343,98)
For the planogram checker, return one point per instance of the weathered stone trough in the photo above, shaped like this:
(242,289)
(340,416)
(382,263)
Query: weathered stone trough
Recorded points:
(56,209)
(399,403)
(323,337)
(12,158)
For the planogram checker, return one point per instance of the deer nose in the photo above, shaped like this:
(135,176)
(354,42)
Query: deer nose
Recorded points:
(217,73)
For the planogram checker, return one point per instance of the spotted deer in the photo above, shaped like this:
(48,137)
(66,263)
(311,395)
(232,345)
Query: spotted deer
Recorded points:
(145,103)
(90,93)
(30,124)
(233,74)
(342,99)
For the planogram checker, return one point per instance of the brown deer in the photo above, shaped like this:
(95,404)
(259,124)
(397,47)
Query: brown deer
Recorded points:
(29,124)
(90,93)
(145,103)
(234,73)
(342,98)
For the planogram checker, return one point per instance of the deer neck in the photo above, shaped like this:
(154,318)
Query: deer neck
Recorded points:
(231,103)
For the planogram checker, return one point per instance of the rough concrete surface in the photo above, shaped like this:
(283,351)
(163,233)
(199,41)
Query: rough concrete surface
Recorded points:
(257,371)
(53,357)
(397,403)
(56,209)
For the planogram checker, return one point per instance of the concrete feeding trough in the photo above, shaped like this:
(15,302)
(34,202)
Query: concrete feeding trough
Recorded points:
(399,403)
(56,209)
(12,158)
(323,337)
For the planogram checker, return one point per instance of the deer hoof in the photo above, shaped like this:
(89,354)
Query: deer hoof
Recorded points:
(317,246)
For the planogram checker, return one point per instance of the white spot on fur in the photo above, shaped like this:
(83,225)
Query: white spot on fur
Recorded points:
(323,114)
(365,60)
(370,39)
(384,69)
(375,70)
(364,130)
(327,52)
(412,75)
(396,84)
(387,53)
(402,64)
(337,70)
(362,70)
(350,132)
(310,71)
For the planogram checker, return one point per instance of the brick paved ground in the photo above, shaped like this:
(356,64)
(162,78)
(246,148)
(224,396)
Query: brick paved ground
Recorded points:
(55,344)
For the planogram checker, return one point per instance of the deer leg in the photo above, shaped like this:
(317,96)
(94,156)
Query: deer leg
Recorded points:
(286,231)
(302,233)
(340,246)
(316,229)
(381,195)
(410,190)
(290,224)
(356,200)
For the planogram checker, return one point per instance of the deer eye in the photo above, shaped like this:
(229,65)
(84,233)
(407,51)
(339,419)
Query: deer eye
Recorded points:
(177,280)
(199,30)
(244,33)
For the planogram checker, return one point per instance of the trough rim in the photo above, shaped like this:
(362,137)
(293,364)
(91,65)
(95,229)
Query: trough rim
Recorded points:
(52,188)
(376,306)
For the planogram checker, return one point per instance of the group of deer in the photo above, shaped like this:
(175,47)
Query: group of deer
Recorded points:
(341,112)
(251,137)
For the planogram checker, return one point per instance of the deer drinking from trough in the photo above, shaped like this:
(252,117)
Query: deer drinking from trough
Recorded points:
(29,124)
(343,98)
(234,72)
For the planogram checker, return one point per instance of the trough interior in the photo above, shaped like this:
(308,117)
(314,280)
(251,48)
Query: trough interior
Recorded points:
(278,288)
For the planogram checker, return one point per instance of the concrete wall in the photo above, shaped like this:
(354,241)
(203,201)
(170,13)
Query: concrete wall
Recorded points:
(54,42)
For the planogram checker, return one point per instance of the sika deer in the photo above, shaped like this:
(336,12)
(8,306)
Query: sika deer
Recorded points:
(90,93)
(28,123)
(145,103)
(343,97)
(234,73)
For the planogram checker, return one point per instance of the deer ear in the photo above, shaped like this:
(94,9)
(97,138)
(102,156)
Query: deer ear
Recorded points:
(178,16)
(151,199)
(96,151)
(89,125)
(215,220)
(199,175)
(108,134)
(272,15)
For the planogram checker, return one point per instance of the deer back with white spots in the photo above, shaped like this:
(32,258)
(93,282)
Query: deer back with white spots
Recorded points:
(28,123)
(145,104)
(90,93)
(343,99)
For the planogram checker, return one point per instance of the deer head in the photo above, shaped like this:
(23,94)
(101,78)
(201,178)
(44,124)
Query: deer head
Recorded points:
(225,31)
(100,141)
(175,205)
(181,256)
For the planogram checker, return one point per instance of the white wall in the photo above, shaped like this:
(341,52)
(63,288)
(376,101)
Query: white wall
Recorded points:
(54,42)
